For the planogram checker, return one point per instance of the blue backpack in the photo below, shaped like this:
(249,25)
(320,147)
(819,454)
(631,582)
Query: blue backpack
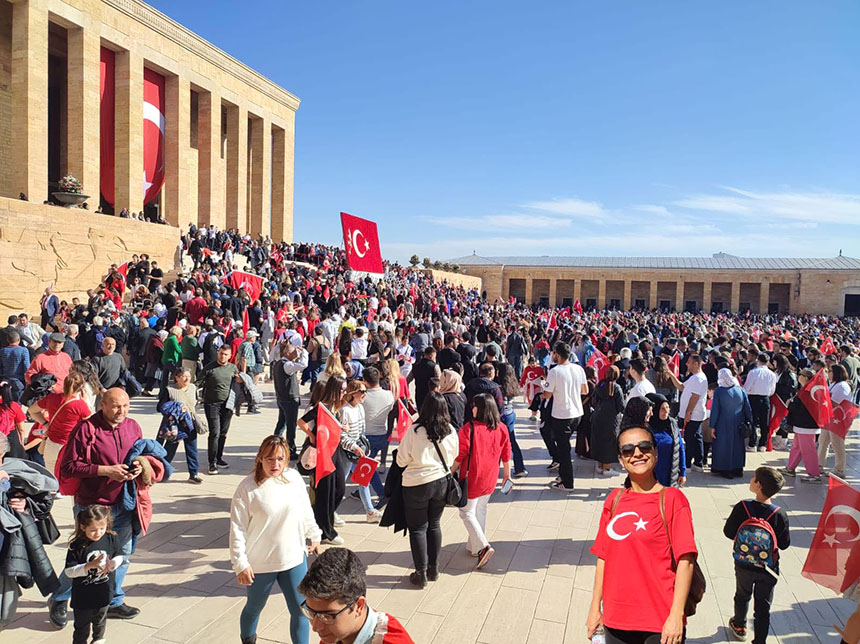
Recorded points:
(755,543)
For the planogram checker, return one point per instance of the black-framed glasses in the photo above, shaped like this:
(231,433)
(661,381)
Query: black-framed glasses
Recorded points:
(325,618)
(646,447)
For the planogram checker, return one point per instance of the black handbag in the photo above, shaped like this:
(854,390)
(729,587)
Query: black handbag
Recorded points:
(746,429)
(457,492)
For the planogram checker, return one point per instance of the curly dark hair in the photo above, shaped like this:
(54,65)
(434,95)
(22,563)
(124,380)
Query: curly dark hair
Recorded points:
(336,575)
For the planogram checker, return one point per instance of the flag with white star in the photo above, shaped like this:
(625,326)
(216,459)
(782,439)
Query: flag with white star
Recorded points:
(834,556)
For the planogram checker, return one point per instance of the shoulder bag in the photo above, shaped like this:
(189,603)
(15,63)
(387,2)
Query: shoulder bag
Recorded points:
(457,494)
(698,585)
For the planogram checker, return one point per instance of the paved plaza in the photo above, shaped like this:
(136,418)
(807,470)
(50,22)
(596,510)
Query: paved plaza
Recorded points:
(536,589)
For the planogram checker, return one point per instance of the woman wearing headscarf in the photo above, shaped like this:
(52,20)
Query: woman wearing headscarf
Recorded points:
(730,409)
(671,470)
(608,401)
(451,388)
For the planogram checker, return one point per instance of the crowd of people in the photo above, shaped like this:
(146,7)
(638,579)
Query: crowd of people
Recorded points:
(664,393)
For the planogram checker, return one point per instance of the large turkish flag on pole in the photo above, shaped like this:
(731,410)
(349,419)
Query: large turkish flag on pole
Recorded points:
(328,441)
(361,241)
(834,558)
(815,396)
(252,284)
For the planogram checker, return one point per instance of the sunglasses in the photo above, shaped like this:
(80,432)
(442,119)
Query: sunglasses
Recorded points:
(646,447)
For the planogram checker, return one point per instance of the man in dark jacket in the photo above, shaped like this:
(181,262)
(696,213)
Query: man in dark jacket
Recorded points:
(421,373)
(467,352)
(285,372)
(483,384)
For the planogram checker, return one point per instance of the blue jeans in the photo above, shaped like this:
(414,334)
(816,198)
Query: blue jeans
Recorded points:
(190,453)
(364,490)
(378,445)
(258,594)
(510,420)
(124,526)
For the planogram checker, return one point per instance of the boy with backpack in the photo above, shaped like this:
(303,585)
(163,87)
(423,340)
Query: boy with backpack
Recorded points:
(759,530)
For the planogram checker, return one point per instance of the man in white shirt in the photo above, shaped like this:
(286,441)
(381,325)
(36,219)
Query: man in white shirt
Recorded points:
(359,344)
(760,385)
(692,411)
(643,386)
(566,384)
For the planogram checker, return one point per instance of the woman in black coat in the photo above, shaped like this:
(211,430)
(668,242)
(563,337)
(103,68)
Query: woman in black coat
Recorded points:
(608,405)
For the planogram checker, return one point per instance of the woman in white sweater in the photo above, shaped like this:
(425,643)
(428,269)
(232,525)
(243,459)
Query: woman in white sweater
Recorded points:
(424,483)
(271,523)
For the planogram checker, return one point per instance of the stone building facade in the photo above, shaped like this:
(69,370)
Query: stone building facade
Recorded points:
(228,131)
(723,282)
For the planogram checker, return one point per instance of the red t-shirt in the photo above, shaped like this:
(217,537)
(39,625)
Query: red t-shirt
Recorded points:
(638,581)
(67,418)
(490,447)
(10,417)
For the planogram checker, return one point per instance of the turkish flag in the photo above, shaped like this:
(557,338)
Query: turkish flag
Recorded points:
(404,422)
(364,471)
(123,269)
(675,364)
(246,322)
(107,103)
(553,323)
(362,244)
(834,560)
(252,284)
(815,396)
(328,441)
(577,307)
(843,415)
(600,363)
(153,134)
(778,411)
(827,347)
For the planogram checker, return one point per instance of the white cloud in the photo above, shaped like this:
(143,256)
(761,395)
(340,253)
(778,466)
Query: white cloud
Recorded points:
(572,207)
(820,206)
(512,221)
(652,208)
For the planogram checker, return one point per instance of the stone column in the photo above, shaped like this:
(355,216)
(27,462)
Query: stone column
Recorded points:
(176,139)
(29,158)
(553,292)
(764,296)
(84,78)
(706,296)
(128,132)
(679,295)
(210,190)
(237,167)
(652,295)
(283,144)
(577,292)
(627,302)
(736,296)
(261,175)
(529,291)
(601,294)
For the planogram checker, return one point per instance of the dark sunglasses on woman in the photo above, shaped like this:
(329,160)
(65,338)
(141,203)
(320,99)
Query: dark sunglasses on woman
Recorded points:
(646,447)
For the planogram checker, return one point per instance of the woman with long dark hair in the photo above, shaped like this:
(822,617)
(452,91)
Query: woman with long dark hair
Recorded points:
(427,452)
(605,421)
(510,390)
(483,443)
(639,591)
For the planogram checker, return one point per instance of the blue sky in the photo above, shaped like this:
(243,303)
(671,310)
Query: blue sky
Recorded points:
(552,128)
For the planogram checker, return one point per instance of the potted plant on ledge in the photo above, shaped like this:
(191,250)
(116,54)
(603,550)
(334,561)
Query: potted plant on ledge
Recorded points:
(69,193)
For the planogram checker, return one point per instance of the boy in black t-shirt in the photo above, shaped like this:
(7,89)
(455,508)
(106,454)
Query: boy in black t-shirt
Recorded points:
(757,581)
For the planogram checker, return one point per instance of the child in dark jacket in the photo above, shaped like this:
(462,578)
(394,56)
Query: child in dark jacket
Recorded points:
(94,554)
(756,581)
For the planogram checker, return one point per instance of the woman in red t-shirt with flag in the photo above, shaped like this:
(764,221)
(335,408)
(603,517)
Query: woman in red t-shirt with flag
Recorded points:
(638,598)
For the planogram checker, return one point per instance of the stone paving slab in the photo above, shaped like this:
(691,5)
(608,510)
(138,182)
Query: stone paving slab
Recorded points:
(537,587)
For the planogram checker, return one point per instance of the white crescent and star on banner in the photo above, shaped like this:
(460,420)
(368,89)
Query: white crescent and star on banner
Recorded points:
(152,114)
(362,468)
(847,510)
(354,243)
(610,528)
(814,391)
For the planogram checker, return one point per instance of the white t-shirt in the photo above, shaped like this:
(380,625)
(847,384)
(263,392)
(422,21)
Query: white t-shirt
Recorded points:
(565,383)
(697,384)
(640,390)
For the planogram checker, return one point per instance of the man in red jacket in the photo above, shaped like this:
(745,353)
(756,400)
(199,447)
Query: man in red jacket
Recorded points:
(336,606)
(95,454)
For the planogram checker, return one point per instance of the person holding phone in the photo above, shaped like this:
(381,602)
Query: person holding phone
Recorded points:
(483,443)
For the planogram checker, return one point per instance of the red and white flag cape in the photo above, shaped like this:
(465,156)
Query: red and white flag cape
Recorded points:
(361,240)
(250,283)
(815,396)
(328,440)
(834,558)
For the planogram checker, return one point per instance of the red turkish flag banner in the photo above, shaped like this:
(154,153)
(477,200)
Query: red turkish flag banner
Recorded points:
(106,125)
(123,270)
(404,422)
(843,416)
(600,363)
(328,440)
(553,323)
(577,307)
(250,283)
(674,364)
(364,470)
(361,240)
(246,322)
(778,411)
(153,134)
(815,396)
(834,558)
(827,347)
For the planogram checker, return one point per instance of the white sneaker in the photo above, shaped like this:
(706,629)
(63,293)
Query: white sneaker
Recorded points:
(337,541)
(762,448)
(374,516)
(337,520)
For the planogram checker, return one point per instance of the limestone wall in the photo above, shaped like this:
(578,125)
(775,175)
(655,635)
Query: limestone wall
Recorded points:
(71,248)
(460,279)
